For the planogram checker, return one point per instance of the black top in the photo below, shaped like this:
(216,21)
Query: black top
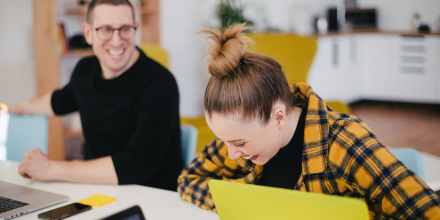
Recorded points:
(134,118)
(284,169)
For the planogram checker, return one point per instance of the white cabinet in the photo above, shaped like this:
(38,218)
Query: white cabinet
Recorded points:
(438,70)
(373,67)
(414,68)
(377,66)
(333,74)
(349,76)
(322,73)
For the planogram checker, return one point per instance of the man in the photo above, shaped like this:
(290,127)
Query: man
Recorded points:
(128,105)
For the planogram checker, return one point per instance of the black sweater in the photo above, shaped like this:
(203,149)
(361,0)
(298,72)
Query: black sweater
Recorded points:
(134,118)
(284,169)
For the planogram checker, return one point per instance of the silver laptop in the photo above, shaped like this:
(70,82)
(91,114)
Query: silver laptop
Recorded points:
(18,200)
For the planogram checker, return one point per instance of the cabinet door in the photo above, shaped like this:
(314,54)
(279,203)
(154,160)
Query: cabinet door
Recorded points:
(373,57)
(414,68)
(438,70)
(348,76)
(324,70)
(334,73)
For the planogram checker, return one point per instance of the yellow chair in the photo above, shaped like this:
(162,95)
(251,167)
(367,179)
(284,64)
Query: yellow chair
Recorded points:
(295,54)
(339,106)
(156,53)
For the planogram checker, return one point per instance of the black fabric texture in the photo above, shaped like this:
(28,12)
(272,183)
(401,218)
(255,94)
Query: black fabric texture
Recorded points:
(134,118)
(284,169)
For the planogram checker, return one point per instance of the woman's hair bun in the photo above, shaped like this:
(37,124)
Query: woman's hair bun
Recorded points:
(226,48)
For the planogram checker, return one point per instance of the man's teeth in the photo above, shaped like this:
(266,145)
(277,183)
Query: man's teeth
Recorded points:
(248,157)
(115,53)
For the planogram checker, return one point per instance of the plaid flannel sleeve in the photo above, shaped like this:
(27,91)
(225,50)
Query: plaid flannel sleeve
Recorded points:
(386,182)
(213,163)
(193,181)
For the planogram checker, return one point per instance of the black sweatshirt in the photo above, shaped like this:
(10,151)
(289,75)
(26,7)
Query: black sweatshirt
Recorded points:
(134,118)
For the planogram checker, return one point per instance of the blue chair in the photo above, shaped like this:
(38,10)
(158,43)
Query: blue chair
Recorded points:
(188,142)
(22,133)
(411,158)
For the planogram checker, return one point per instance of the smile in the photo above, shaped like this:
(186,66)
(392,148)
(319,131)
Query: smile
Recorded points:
(115,52)
(249,157)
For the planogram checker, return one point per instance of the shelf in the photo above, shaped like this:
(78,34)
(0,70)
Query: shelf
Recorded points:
(79,52)
(149,10)
(76,11)
(72,133)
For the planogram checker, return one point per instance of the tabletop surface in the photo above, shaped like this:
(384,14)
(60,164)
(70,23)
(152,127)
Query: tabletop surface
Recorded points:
(156,204)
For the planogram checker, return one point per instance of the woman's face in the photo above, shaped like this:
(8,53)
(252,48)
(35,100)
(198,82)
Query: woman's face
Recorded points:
(248,139)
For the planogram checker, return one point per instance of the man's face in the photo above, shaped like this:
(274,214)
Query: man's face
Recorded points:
(115,55)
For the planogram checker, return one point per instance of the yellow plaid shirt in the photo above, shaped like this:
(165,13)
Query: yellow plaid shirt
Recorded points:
(341,156)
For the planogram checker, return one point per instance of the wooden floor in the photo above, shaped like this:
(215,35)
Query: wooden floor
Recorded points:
(402,125)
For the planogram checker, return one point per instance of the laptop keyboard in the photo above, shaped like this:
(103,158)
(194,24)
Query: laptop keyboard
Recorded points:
(9,204)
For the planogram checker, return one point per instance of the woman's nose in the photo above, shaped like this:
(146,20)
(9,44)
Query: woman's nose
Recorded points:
(233,153)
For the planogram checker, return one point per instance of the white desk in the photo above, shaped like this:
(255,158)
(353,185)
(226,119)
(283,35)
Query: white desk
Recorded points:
(432,170)
(155,203)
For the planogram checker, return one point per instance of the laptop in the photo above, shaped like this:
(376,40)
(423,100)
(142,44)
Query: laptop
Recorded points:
(18,200)
(237,201)
(132,213)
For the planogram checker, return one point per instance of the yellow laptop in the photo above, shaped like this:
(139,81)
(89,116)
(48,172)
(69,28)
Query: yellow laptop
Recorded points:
(244,201)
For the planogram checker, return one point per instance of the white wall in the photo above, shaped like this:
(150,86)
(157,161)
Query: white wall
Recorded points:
(180,20)
(397,14)
(17,72)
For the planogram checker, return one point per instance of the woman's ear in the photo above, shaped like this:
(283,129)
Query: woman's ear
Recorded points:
(279,117)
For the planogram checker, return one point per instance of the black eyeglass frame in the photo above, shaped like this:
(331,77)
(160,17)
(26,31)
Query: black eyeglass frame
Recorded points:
(113,30)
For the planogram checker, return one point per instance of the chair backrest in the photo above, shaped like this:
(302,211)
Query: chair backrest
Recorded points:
(156,53)
(188,143)
(204,134)
(294,53)
(19,134)
(411,158)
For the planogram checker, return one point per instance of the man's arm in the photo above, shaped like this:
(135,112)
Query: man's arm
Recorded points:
(38,105)
(38,166)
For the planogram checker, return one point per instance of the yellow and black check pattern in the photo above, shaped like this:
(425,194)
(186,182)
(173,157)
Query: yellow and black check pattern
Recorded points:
(341,156)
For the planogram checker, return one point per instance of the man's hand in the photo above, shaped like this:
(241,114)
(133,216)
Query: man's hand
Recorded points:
(35,165)
(3,108)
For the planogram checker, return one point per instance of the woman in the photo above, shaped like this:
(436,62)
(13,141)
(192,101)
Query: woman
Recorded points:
(275,135)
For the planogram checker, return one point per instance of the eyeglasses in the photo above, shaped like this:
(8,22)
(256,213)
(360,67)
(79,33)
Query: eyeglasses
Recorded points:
(106,33)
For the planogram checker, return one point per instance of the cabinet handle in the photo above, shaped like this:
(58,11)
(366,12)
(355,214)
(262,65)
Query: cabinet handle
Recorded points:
(352,51)
(335,54)
(413,49)
(412,70)
(412,59)
(413,37)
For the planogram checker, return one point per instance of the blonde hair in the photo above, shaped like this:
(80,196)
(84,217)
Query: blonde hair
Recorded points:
(241,81)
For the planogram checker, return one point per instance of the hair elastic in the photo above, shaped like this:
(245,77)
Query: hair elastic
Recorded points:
(241,60)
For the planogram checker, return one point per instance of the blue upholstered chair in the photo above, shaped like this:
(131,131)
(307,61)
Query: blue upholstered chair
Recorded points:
(189,142)
(411,158)
(19,134)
